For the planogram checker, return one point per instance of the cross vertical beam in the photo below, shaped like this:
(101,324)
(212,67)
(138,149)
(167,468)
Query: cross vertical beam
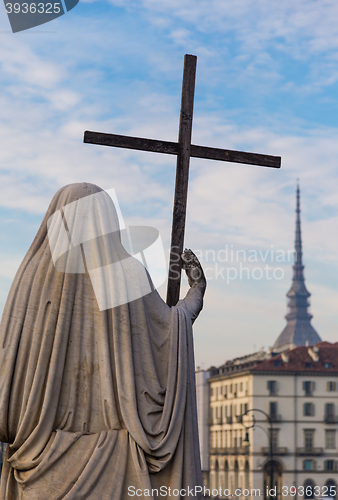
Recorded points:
(182,177)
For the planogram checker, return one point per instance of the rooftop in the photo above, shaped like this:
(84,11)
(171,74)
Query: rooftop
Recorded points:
(321,358)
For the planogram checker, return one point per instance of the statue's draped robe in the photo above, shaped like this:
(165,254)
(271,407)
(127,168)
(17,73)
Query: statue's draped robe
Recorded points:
(93,402)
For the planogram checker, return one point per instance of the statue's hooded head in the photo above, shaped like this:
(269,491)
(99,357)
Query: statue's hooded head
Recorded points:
(81,234)
(84,221)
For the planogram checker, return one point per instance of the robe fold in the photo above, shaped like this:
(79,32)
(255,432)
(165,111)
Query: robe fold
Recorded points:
(95,403)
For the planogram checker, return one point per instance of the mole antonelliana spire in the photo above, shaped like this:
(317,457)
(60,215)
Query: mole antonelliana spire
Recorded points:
(298,330)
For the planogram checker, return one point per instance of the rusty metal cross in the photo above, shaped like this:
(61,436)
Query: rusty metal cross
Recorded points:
(183,149)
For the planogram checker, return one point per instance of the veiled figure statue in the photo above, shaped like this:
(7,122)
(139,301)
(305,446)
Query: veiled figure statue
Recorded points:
(97,385)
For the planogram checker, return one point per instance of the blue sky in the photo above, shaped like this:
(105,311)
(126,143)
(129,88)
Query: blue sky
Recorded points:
(267,78)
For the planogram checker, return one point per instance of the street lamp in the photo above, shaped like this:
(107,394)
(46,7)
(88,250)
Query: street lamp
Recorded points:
(247,443)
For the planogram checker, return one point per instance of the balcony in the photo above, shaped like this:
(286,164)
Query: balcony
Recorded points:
(275,418)
(239,450)
(280,450)
(330,419)
(309,451)
(215,421)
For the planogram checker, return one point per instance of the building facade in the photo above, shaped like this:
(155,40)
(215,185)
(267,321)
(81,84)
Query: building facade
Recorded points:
(271,418)
(297,391)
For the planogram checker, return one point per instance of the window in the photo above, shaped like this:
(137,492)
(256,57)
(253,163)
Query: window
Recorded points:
(332,488)
(275,439)
(211,391)
(330,439)
(272,387)
(246,477)
(328,365)
(226,473)
(329,412)
(308,364)
(308,409)
(308,439)
(241,386)
(331,386)
(225,392)
(218,414)
(308,465)
(245,407)
(230,387)
(308,387)
(309,488)
(329,465)
(236,469)
(276,363)
(273,410)
(216,392)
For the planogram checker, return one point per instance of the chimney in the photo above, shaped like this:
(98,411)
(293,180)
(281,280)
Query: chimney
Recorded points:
(285,357)
(314,353)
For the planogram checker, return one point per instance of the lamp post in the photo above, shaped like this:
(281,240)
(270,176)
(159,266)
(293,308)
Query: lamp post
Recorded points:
(246,440)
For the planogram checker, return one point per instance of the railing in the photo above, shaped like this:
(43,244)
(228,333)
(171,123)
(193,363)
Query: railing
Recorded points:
(275,418)
(309,451)
(280,450)
(215,421)
(229,420)
(237,450)
(330,419)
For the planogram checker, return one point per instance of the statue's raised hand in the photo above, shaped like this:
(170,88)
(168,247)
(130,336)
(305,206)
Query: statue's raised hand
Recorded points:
(194,270)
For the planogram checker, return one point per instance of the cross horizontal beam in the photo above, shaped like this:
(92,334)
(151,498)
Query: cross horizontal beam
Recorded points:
(172,148)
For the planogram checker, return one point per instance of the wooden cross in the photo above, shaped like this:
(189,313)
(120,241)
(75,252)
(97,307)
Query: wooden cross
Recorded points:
(183,149)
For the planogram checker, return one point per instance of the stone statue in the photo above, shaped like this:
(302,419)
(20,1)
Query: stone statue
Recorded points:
(97,393)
